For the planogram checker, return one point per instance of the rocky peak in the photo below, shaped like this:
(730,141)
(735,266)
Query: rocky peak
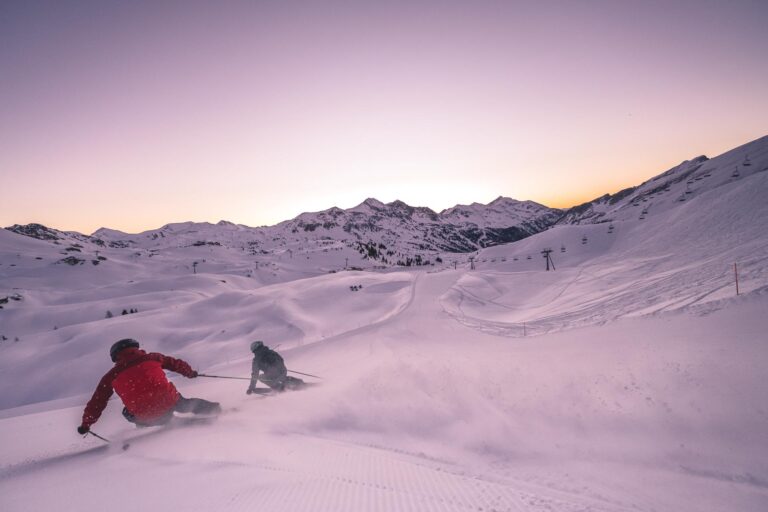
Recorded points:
(36,231)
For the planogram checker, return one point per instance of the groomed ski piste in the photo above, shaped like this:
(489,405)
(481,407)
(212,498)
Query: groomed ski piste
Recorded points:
(631,378)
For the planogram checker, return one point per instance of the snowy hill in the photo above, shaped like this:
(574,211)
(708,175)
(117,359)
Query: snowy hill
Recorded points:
(629,378)
(675,186)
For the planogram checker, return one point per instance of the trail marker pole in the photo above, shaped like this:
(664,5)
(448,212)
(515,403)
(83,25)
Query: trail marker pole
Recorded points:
(736,274)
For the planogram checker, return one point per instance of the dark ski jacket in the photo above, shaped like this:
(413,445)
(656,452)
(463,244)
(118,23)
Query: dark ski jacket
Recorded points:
(140,382)
(268,361)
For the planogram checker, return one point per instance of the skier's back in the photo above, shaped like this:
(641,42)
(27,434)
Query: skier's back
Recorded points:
(139,380)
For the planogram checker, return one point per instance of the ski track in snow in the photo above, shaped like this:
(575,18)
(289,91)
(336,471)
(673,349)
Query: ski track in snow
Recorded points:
(344,477)
(361,478)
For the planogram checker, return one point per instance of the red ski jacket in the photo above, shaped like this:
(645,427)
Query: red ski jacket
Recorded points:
(140,382)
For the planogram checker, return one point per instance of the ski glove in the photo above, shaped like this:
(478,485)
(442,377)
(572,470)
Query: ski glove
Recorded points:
(193,375)
(82,429)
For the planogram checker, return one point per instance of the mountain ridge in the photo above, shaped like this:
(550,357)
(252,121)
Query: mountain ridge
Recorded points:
(396,233)
(401,228)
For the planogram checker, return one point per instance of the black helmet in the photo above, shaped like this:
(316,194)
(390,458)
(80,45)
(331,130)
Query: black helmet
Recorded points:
(256,345)
(120,345)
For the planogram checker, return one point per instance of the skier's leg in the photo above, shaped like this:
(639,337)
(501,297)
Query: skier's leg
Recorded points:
(272,383)
(162,420)
(274,377)
(293,383)
(281,376)
(197,406)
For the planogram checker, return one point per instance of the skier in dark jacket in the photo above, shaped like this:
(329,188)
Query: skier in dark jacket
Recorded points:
(275,373)
(139,380)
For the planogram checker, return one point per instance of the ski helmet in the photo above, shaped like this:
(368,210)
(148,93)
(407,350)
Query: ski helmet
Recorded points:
(256,345)
(120,345)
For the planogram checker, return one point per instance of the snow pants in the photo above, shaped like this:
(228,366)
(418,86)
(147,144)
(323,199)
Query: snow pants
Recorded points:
(193,405)
(275,377)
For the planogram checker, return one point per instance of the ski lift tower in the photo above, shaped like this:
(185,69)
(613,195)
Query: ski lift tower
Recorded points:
(546,254)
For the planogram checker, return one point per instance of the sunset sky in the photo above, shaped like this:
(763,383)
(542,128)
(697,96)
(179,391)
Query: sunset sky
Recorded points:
(134,114)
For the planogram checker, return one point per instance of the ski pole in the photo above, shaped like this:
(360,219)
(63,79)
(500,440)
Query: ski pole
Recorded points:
(307,374)
(221,377)
(97,435)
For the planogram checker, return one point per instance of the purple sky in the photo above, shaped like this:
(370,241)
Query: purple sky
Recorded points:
(133,114)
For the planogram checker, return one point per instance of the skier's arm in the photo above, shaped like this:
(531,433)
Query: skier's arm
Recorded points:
(255,367)
(173,364)
(98,401)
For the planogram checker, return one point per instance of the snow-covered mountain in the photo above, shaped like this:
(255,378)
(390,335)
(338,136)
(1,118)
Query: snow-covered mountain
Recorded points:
(370,234)
(377,234)
(406,230)
(672,188)
(374,235)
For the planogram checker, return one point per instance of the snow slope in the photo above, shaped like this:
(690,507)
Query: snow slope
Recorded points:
(417,412)
(680,259)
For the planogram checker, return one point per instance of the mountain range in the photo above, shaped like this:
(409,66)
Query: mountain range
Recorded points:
(396,234)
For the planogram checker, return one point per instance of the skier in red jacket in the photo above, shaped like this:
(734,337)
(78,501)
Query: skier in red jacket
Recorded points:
(139,380)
